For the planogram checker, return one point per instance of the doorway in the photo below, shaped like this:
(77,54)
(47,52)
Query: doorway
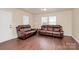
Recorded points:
(5,25)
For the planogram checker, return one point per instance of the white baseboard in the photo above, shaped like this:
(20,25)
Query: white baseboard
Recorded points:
(14,37)
(67,34)
(75,38)
(8,39)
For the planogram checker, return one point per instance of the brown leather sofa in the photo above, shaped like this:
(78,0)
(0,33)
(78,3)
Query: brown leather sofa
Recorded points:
(51,30)
(25,31)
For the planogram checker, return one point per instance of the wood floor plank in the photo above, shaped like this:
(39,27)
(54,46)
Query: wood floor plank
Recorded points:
(39,42)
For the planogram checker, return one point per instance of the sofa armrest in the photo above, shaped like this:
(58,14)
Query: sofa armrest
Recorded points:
(33,29)
(61,30)
(39,29)
(20,33)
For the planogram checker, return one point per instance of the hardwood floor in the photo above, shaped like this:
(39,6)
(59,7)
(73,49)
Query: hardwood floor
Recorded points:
(38,42)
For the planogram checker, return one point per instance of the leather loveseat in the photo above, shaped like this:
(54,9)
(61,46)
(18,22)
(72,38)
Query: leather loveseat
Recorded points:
(25,31)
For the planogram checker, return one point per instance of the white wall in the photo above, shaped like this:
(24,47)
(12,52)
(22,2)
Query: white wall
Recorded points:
(64,18)
(75,23)
(17,19)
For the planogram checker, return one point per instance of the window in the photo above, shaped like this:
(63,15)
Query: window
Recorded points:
(50,20)
(44,20)
(25,20)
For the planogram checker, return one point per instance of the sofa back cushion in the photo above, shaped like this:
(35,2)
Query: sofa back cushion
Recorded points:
(21,30)
(56,26)
(49,27)
(56,29)
(23,27)
(44,27)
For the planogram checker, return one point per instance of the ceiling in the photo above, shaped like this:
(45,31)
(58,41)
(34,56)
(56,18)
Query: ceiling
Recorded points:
(49,10)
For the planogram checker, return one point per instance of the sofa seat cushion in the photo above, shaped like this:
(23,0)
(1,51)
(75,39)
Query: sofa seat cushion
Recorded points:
(56,33)
(25,29)
(49,31)
(20,34)
(42,31)
(44,28)
(29,32)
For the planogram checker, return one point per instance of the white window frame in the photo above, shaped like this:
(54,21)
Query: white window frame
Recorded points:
(53,22)
(48,20)
(26,20)
(44,20)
